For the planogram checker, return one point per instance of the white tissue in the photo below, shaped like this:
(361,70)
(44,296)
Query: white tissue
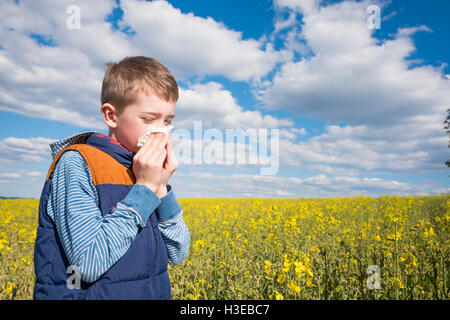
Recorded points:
(149,131)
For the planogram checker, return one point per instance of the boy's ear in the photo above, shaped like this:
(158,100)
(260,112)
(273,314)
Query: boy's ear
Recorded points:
(109,114)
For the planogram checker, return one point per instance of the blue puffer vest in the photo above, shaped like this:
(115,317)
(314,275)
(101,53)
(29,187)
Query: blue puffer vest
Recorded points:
(141,273)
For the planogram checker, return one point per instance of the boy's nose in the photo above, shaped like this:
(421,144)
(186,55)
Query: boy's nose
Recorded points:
(159,124)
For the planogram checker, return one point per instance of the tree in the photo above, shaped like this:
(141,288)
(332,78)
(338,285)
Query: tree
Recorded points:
(447,129)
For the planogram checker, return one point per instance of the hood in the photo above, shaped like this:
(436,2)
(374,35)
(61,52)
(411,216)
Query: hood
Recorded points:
(100,141)
(81,137)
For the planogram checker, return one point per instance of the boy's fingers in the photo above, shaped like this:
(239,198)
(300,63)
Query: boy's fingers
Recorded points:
(162,140)
(149,147)
(169,150)
(159,146)
(147,143)
(169,141)
(152,150)
(160,158)
(141,151)
(170,162)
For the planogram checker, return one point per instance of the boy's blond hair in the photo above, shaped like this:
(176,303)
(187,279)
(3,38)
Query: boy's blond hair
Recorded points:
(123,80)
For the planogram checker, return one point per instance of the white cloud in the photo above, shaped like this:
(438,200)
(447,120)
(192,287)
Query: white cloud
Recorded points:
(19,150)
(247,185)
(362,147)
(299,131)
(304,6)
(353,78)
(346,150)
(392,110)
(193,45)
(334,170)
(34,174)
(292,133)
(63,82)
(407,32)
(214,105)
(14,176)
(283,24)
(204,151)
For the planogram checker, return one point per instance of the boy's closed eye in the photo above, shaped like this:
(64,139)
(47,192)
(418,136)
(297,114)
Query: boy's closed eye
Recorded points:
(168,122)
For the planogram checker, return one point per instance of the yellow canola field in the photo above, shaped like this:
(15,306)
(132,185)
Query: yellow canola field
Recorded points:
(360,247)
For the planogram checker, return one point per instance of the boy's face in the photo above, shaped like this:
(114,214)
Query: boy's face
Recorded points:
(136,118)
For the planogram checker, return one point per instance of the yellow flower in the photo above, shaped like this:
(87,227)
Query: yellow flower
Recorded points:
(294,288)
(199,244)
(22,232)
(299,267)
(278,296)
(9,288)
(428,232)
(201,282)
(267,265)
(376,237)
(281,278)
(287,263)
(26,260)
(309,282)
(314,249)
(394,236)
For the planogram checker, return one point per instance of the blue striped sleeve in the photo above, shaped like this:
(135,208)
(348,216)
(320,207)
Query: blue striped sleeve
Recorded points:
(169,206)
(173,228)
(91,241)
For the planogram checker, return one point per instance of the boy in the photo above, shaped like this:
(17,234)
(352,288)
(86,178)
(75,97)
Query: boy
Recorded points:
(109,223)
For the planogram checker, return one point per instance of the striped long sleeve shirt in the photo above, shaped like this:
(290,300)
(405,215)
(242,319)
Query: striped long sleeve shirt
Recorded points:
(94,242)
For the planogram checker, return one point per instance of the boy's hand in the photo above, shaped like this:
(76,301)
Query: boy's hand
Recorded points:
(148,161)
(169,166)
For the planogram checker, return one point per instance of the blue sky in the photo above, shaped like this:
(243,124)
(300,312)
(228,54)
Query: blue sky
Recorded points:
(359,111)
